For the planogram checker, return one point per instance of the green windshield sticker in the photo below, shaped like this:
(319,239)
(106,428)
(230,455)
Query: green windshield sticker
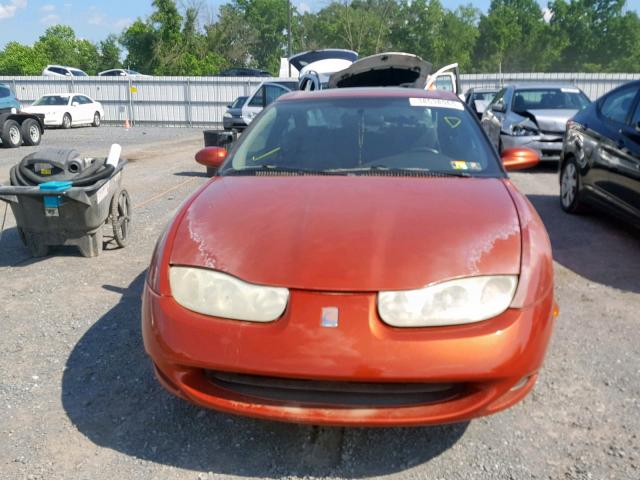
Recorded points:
(453,122)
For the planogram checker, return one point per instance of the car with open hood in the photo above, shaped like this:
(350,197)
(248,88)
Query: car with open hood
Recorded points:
(359,258)
(532,116)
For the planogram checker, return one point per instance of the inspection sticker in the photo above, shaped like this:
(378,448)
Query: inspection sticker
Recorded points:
(459,165)
(435,103)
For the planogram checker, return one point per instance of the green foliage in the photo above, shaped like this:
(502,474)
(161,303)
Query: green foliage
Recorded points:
(513,35)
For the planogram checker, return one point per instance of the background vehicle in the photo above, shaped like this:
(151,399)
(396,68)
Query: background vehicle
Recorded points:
(17,127)
(8,100)
(232,119)
(121,72)
(316,66)
(532,116)
(479,98)
(62,71)
(243,72)
(264,95)
(68,109)
(600,163)
(396,69)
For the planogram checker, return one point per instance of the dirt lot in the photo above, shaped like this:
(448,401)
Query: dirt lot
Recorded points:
(79,399)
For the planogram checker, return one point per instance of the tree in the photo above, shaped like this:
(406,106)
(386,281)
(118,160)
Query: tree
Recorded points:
(17,59)
(511,37)
(109,53)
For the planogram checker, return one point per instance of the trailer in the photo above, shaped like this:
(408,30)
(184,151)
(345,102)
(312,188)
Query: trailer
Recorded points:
(20,128)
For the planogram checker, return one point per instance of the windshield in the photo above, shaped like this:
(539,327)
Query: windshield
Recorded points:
(52,100)
(549,99)
(484,96)
(365,135)
(239,102)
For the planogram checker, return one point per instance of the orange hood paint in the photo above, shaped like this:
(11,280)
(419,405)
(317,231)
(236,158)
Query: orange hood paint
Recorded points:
(337,233)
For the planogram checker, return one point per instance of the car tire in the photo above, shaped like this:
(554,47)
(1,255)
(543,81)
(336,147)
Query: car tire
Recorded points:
(570,187)
(96,120)
(31,132)
(66,121)
(11,134)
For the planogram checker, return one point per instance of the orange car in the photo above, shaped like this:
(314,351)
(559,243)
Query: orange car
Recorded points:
(360,258)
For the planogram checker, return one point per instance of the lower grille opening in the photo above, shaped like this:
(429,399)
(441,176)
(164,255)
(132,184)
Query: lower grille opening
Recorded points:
(348,394)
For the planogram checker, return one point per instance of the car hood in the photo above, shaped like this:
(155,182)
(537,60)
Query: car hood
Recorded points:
(390,69)
(44,108)
(551,120)
(350,233)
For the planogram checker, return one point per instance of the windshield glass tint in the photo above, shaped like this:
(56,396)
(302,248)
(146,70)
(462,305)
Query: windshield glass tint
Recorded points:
(239,102)
(52,100)
(549,99)
(363,134)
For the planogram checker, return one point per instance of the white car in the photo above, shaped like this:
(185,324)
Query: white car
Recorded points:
(122,72)
(67,109)
(266,93)
(62,71)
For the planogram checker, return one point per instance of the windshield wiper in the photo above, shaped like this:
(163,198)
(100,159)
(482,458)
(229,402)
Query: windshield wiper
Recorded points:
(382,169)
(252,170)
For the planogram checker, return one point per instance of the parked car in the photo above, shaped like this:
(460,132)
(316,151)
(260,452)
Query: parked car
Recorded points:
(361,258)
(600,163)
(17,127)
(68,109)
(8,100)
(244,72)
(62,71)
(532,116)
(232,119)
(122,72)
(478,98)
(264,95)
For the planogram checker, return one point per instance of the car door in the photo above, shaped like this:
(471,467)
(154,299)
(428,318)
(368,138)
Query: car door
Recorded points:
(89,107)
(493,116)
(254,105)
(616,144)
(78,110)
(625,174)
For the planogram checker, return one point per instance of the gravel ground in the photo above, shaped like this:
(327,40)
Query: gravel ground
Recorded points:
(79,399)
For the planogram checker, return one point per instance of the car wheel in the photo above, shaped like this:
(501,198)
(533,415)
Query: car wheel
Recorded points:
(31,132)
(570,198)
(96,120)
(11,134)
(66,121)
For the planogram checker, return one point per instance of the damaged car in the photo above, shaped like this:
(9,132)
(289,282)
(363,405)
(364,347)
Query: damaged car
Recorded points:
(532,116)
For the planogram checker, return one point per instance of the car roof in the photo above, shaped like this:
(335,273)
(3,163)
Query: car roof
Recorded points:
(371,92)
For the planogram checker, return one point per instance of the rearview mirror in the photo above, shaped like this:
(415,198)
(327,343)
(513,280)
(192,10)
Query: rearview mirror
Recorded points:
(519,158)
(211,157)
(499,107)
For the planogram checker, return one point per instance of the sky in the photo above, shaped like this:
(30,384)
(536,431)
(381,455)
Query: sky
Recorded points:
(25,20)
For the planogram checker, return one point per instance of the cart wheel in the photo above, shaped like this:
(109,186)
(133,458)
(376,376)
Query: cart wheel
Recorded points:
(121,217)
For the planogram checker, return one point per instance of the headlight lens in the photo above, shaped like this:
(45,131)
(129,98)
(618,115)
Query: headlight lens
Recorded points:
(227,115)
(214,293)
(456,302)
(522,131)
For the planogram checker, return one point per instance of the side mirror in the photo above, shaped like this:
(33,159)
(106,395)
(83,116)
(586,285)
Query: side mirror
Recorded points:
(211,157)
(499,107)
(519,158)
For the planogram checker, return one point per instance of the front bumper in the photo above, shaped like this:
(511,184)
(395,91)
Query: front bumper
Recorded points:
(548,146)
(489,365)
(236,123)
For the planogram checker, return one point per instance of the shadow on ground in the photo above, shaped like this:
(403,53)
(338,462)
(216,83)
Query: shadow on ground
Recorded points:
(596,246)
(111,396)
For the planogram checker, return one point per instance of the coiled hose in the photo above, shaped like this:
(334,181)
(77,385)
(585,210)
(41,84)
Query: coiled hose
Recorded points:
(21,175)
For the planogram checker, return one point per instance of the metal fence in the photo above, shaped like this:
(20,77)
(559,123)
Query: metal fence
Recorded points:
(201,101)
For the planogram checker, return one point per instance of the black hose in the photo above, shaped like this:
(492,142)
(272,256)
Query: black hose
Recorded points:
(22,176)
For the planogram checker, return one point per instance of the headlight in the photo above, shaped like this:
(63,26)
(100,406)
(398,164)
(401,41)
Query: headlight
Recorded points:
(214,293)
(465,300)
(522,131)
(227,115)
